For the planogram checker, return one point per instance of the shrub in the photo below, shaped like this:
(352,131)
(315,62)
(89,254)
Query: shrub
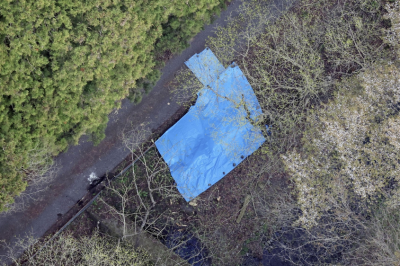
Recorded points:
(351,148)
(86,250)
(293,62)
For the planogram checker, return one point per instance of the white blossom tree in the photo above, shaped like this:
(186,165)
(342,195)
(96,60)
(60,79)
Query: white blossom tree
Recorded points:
(352,149)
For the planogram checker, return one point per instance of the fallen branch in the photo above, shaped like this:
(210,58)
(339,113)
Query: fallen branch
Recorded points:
(246,202)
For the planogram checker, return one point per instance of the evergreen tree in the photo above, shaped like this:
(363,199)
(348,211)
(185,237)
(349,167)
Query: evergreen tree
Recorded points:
(65,64)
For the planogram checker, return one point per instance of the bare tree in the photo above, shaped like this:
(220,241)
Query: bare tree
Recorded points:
(139,190)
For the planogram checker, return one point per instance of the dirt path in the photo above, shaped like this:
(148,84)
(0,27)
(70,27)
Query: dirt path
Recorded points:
(80,161)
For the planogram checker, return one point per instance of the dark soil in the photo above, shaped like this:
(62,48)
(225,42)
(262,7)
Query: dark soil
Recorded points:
(94,190)
(82,226)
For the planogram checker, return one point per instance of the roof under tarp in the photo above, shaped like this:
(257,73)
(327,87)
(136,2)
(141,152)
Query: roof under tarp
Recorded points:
(215,135)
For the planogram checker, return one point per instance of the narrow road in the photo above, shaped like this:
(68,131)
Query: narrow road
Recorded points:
(76,164)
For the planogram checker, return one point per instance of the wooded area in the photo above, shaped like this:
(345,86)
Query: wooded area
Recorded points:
(324,188)
(65,65)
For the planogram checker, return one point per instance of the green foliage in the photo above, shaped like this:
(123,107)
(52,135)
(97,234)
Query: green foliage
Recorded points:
(64,65)
(183,26)
(144,86)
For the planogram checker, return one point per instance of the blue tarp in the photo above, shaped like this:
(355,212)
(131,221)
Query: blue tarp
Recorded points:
(205,66)
(215,135)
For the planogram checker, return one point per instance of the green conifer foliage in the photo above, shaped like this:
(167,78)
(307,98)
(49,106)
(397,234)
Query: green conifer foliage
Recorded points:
(65,64)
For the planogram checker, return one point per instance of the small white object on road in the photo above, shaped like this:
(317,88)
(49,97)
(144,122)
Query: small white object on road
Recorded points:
(92,177)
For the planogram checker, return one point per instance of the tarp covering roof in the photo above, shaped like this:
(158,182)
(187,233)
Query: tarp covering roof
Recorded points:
(216,134)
